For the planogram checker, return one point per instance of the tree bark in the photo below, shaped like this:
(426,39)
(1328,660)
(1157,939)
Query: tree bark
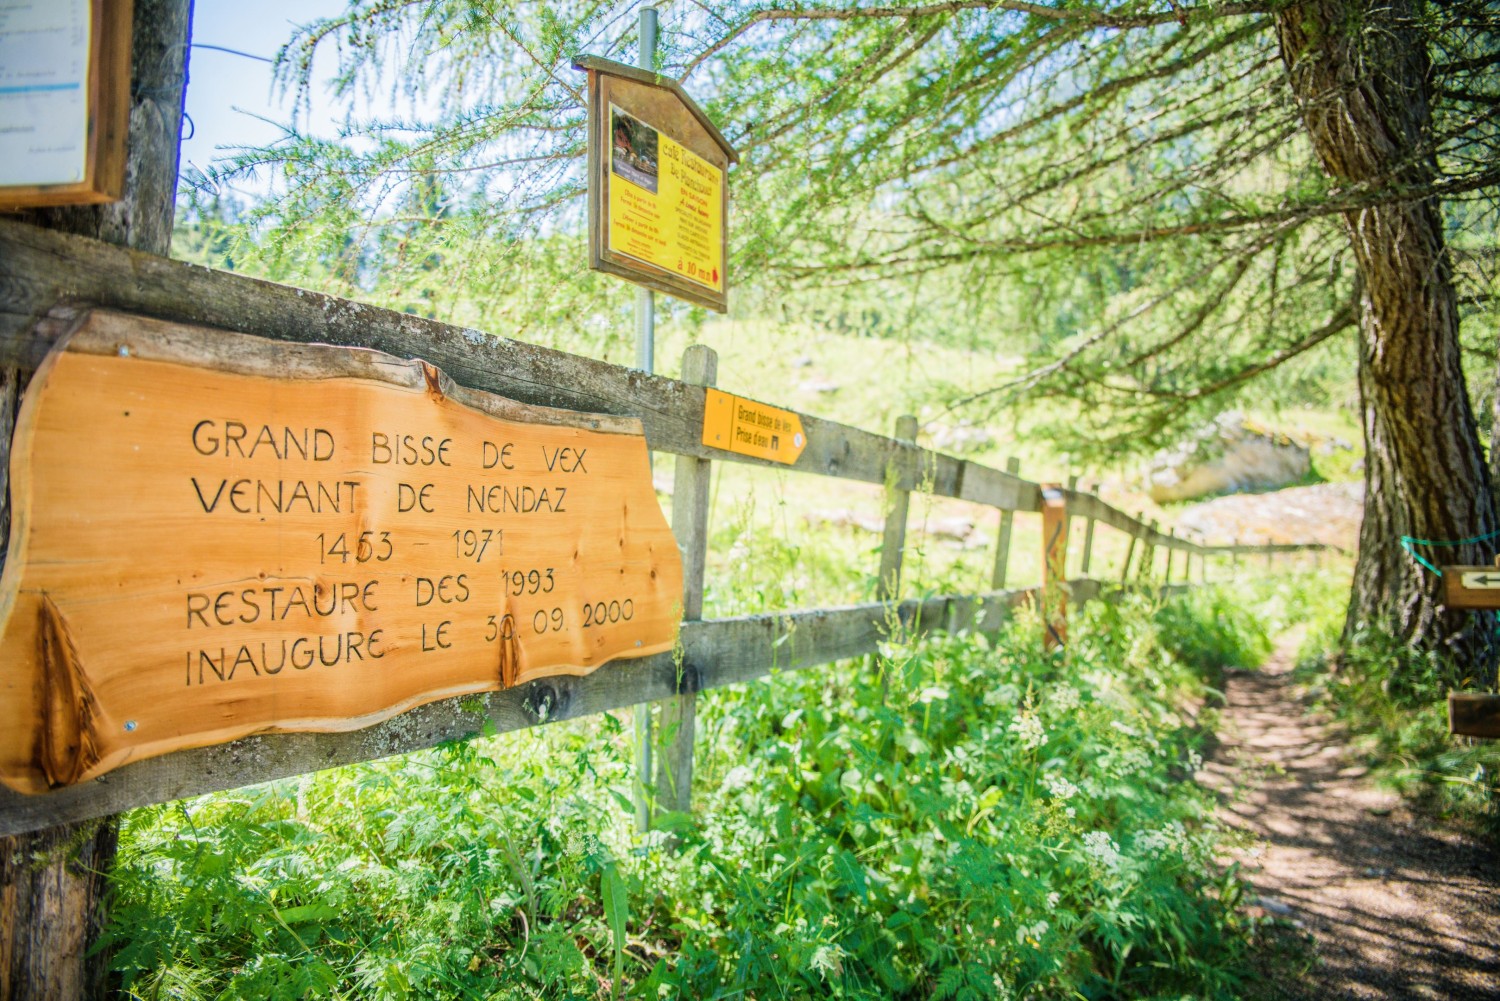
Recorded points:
(53,882)
(1360,73)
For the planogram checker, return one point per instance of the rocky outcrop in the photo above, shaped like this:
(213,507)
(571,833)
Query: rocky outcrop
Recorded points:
(1231,455)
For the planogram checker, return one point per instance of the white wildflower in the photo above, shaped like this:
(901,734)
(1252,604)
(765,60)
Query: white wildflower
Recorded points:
(1153,843)
(1130,761)
(827,959)
(1157,843)
(1125,728)
(1064,699)
(1060,787)
(1002,695)
(738,777)
(1103,848)
(1052,900)
(1033,932)
(1028,728)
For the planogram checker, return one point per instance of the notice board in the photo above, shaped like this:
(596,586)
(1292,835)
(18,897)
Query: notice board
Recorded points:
(64,101)
(658,185)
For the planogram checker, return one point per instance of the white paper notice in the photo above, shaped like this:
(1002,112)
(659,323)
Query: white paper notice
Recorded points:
(44,114)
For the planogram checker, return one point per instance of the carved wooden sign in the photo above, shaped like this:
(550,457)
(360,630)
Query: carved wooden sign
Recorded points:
(216,535)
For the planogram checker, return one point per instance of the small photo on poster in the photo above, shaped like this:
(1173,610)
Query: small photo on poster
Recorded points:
(632,150)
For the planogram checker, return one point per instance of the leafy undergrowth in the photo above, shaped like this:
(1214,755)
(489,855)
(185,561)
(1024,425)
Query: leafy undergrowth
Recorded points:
(1394,702)
(998,823)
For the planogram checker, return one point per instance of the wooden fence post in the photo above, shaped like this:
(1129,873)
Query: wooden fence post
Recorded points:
(53,881)
(1072,488)
(679,714)
(893,544)
(1129,552)
(1167,575)
(690,494)
(1088,544)
(1054,567)
(1148,552)
(1007,522)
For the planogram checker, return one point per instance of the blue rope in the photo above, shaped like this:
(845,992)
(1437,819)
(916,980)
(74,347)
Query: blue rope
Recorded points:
(1407,542)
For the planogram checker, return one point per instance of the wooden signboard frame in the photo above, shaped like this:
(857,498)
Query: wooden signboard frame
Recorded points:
(661,104)
(108,102)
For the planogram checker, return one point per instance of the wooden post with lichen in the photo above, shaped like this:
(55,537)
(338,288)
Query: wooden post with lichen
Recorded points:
(1054,567)
(1088,544)
(678,718)
(52,881)
(893,541)
(1007,523)
(1130,552)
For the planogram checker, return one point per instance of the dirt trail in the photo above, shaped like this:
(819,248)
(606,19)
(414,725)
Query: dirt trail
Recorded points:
(1397,907)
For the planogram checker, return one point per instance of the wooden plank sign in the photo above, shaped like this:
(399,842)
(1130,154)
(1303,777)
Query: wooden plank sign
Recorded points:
(1474,714)
(1471,587)
(658,185)
(216,535)
(743,426)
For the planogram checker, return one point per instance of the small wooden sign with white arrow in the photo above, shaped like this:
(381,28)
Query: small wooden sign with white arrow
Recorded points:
(1471,587)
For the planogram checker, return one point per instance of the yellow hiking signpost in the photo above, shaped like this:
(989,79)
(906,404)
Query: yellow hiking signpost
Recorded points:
(746,427)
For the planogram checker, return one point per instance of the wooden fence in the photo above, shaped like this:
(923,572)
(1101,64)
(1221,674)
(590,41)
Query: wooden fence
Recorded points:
(48,280)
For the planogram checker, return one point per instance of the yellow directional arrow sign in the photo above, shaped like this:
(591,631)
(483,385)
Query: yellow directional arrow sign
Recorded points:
(736,424)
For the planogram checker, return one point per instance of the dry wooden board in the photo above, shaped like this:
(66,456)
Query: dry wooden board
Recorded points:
(216,535)
(714,654)
(44,275)
(1474,714)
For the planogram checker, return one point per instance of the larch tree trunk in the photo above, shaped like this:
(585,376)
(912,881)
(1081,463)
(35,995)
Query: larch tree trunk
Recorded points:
(1359,71)
(53,882)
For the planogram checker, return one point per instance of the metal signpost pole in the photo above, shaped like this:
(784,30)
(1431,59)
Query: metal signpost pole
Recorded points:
(645,360)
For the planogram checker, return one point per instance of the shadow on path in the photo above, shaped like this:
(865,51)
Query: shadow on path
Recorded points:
(1398,908)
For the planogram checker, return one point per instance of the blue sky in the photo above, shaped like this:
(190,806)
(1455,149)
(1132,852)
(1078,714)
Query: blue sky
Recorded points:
(228,95)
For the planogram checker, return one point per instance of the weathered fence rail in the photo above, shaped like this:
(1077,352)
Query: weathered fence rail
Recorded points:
(49,281)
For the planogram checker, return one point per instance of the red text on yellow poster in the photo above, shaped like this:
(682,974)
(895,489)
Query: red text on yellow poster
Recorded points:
(666,203)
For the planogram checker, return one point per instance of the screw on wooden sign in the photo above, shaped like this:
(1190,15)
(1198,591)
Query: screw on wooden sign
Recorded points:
(217,535)
(746,427)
